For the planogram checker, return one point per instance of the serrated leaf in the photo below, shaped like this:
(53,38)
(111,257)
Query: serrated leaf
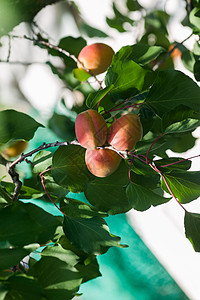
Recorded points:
(142,198)
(89,270)
(184,185)
(69,168)
(192,229)
(90,235)
(58,279)
(11,126)
(30,224)
(79,209)
(108,194)
(170,89)
(94,98)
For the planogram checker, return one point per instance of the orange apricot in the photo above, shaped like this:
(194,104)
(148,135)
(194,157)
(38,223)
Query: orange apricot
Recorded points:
(96,57)
(175,53)
(15,149)
(124,133)
(91,129)
(102,162)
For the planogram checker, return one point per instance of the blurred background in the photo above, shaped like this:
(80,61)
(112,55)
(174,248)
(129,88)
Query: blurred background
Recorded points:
(29,85)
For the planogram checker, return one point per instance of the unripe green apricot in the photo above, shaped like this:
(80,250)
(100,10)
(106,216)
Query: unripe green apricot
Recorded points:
(96,57)
(102,162)
(91,129)
(15,149)
(125,132)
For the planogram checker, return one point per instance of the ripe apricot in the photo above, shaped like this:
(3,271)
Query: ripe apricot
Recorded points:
(102,162)
(91,129)
(96,57)
(15,149)
(124,133)
(175,53)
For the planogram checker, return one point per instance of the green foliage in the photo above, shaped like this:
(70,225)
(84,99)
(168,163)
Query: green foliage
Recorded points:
(141,79)
(11,126)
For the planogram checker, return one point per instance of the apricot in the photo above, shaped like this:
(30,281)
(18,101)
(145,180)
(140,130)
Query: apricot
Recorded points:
(124,133)
(91,129)
(96,57)
(15,149)
(102,162)
(176,52)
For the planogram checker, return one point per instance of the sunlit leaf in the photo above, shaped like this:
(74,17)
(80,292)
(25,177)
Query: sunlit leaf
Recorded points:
(192,229)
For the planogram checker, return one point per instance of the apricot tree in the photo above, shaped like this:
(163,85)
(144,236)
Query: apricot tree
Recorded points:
(112,147)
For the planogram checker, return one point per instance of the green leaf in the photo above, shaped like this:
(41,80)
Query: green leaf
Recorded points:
(25,192)
(81,74)
(68,256)
(197,70)
(108,194)
(142,198)
(183,126)
(94,98)
(89,269)
(30,224)
(194,19)
(72,45)
(90,235)
(9,257)
(118,20)
(41,161)
(126,76)
(188,60)
(172,163)
(92,32)
(184,185)
(23,287)
(12,126)
(196,49)
(170,89)
(75,208)
(140,53)
(58,279)
(133,5)
(192,229)
(5,197)
(69,168)
(179,113)
(54,189)
(62,126)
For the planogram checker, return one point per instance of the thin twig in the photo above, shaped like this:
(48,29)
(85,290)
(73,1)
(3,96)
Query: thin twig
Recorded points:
(170,52)
(60,50)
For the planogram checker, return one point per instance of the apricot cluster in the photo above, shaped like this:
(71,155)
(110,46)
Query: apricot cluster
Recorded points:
(92,132)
